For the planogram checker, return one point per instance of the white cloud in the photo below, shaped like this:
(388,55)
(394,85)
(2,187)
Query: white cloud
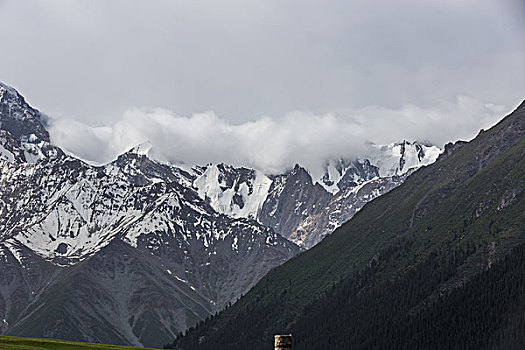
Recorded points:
(269,143)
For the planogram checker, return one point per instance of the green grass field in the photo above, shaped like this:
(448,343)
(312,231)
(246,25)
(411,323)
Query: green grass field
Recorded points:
(16,343)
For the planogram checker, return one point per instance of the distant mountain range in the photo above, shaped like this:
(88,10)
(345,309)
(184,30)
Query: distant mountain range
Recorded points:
(304,209)
(436,263)
(136,251)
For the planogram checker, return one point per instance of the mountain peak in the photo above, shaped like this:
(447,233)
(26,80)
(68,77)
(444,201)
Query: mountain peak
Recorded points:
(6,88)
(26,125)
(18,118)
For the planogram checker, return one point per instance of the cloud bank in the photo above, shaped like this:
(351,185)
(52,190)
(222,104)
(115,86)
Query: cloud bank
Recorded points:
(269,143)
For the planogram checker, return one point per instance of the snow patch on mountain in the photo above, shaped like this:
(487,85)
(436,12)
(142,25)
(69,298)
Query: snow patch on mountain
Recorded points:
(238,192)
(399,158)
(12,246)
(342,173)
(5,154)
(333,173)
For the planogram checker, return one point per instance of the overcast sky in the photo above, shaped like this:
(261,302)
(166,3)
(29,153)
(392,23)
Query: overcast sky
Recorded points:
(436,70)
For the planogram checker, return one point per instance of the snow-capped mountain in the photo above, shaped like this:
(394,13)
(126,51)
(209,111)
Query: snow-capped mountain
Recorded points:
(124,253)
(399,158)
(304,209)
(378,161)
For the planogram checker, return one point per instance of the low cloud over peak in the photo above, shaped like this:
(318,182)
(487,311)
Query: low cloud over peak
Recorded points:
(272,144)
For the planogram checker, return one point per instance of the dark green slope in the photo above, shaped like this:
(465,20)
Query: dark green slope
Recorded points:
(455,217)
(487,312)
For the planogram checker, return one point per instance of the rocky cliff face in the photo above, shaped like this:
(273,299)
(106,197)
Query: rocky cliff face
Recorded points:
(292,199)
(340,208)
